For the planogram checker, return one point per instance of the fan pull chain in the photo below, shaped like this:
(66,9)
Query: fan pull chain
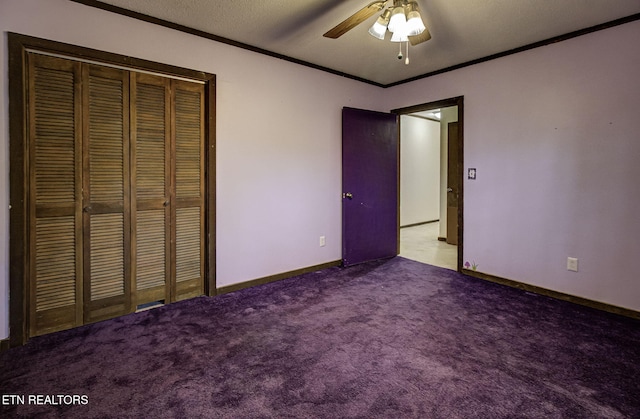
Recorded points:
(406,60)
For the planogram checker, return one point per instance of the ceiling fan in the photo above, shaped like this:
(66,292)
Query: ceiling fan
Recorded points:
(402,19)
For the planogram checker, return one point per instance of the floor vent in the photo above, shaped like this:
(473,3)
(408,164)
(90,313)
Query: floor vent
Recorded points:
(149,306)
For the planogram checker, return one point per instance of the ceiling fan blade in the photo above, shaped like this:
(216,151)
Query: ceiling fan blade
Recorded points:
(355,19)
(418,39)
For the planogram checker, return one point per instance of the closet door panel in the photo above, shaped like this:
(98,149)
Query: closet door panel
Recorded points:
(54,185)
(189,267)
(151,187)
(106,193)
(189,189)
(151,256)
(115,191)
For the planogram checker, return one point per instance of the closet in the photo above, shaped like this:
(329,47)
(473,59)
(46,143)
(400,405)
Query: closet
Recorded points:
(115,191)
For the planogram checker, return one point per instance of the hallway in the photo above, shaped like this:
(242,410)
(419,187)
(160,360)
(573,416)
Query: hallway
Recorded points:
(421,243)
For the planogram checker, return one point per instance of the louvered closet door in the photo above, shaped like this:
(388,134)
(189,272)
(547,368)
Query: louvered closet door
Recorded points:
(188,208)
(115,191)
(55,240)
(106,199)
(151,186)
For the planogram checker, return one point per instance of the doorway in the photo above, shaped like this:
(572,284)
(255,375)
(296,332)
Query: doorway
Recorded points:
(431,183)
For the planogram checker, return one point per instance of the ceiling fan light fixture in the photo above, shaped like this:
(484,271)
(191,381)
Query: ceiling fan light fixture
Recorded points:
(402,19)
(400,35)
(379,28)
(398,18)
(415,25)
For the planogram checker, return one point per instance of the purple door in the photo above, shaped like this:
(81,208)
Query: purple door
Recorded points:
(370,185)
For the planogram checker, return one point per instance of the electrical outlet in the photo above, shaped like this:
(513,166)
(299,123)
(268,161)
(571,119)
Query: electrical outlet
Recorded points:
(572,264)
(323,241)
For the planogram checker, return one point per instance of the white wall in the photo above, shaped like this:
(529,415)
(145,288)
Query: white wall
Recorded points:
(278,137)
(419,170)
(553,133)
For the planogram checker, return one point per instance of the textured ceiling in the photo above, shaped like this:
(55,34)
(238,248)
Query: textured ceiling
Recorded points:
(462,30)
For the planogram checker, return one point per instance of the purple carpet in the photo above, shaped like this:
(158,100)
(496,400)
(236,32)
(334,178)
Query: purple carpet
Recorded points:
(390,339)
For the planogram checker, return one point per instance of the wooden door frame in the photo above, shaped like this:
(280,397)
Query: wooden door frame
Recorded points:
(446,103)
(18,46)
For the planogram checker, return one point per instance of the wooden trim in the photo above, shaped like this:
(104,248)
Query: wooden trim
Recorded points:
(460,104)
(277,277)
(445,103)
(398,182)
(169,187)
(545,42)
(554,294)
(102,57)
(18,201)
(4,345)
(216,38)
(426,118)
(419,224)
(18,205)
(207,35)
(210,185)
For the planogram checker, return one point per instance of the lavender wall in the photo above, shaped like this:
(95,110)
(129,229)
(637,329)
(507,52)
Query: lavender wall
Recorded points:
(554,134)
(278,138)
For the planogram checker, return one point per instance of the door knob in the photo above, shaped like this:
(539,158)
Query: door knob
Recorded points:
(165,203)
(449,189)
(347,195)
(87,208)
